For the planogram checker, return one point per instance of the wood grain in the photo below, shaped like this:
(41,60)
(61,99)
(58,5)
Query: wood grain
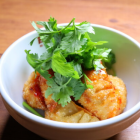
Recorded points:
(15,17)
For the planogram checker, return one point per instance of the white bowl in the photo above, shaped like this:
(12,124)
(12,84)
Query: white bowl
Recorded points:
(14,71)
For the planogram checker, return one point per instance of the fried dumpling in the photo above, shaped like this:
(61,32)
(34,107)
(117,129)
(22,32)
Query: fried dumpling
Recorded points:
(108,97)
(32,92)
(71,113)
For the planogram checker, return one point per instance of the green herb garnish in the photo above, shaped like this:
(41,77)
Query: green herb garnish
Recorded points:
(31,109)
(69,50)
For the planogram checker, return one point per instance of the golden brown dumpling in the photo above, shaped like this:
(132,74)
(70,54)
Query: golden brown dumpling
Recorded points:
(108,97)
(32,92)
(71,113)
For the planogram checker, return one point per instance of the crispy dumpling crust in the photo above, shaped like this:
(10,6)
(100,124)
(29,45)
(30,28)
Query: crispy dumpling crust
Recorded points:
(32,92)
(108,97)
(71,113)
(50,103)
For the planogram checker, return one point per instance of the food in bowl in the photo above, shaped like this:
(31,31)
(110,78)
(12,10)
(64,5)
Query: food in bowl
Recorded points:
(70,82)
(12,79)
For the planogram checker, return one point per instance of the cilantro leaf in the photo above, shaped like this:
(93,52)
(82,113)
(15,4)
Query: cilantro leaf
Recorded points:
(62,88)
(60,65)
(70,43)
(97,65)
(78,68)
(45,55)
(44,73)
(78,88)
(101,53)
(92,45)
(85,27)
(110,60)
(93,58)
(50,26)
(38,64)
(31,43)
(58,88)
(32,58)
(47,36)
(64,98)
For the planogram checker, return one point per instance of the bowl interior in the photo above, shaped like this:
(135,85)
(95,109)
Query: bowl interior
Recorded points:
(15,70)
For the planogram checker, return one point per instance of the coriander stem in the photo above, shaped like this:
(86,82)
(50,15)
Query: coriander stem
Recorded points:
(87,85)
(48,59)
(87,78)
(31,109)
(79,36)
(68,24)
(43,32)
(67,82)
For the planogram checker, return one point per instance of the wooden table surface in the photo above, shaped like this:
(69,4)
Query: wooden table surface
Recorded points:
(15,17)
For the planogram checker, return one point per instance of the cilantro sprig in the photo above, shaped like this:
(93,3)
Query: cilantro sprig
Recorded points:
(69,50)
(63,88)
